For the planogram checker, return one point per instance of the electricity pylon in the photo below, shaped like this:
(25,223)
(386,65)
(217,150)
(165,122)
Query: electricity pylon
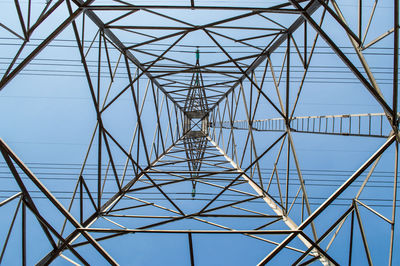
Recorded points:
(212,146)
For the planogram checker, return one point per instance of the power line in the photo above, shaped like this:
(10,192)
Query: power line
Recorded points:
(203,52)
(195,46)
(78,165)
(322,181)
(190,199)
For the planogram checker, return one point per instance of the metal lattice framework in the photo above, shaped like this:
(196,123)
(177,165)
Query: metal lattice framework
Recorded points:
(208,142)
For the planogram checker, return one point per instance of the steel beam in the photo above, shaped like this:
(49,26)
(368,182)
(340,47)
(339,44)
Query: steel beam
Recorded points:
(264,55)
(271,203)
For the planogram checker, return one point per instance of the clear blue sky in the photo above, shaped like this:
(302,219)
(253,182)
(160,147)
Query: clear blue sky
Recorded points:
(47,118)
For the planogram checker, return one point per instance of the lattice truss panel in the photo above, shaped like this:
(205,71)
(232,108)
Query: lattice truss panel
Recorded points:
(215,133)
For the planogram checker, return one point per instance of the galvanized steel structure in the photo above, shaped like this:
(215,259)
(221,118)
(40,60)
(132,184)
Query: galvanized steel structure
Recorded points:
(199,126)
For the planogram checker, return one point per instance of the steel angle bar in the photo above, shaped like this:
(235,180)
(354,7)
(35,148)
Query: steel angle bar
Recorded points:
(108,205)
(394,204)
(356,43)
(11,31)
(327,232)
(117,42)
(306,15)
(341,21)
(6,79)
(5,149)
(395,65)
(264,54)
(10,199)
(190,238)
(271,203)
(328,201)
(254,232)
(10,230)
(387,33)
(275,9)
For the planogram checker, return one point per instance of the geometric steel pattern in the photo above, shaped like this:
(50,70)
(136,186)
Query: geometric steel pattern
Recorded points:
(201,130)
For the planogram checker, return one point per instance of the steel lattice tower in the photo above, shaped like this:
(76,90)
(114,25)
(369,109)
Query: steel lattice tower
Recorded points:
(201,131)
